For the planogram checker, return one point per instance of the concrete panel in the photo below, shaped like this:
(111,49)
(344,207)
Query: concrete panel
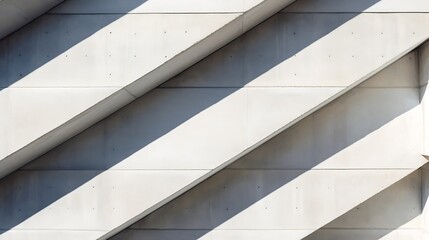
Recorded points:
(398,206)
(272,199)
(154,6)
(223,68)
(51,57)
(16,13)
(165,129)
(84,200)
(359,6)
(117,77)
(425,199)
(176,128)
(56,57)
(100,148)
(45,142)
(272,109)
(264,202)
(402,73)
(394,213)
(186,115)
(194,6)
(48,234)
(171,60)
(424,63)
(213,235)
(354,234)
(335,47)
(342,136)
(424,95)
(365,234)
(57,51)
(30,113)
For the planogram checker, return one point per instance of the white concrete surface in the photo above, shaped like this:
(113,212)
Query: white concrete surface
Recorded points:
(301,180)
(424,95)
(154,6)
(120,169)
(397,207)
(57,52)
(178,135)
(16,13)
(63,50)
(394,213)
(374,6)
(424,201)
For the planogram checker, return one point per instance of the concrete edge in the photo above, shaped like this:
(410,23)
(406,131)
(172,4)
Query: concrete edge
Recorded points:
(246,151)
(24,12)
(117,100)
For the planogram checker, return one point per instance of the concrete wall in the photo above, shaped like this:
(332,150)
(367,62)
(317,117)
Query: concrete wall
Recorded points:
(424,98)
(424,77)
(394,213)
(62,56)
(16,13)
(166,142)
(314,172)
(87,57)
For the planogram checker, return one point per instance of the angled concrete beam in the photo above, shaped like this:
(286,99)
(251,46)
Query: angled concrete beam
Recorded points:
(310,174)
(394,213)
(103,60)
(16,13)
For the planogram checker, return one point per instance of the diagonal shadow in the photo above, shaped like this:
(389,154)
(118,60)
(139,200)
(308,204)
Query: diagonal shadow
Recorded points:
(214,201)
(149,118)
(380,215)
(20,57)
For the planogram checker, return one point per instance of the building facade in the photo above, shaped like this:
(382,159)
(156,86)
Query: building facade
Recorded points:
(214,119)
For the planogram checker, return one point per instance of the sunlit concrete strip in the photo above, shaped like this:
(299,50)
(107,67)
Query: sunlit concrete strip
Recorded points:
(111,55)
(393,214)
(16,13)
(314,172)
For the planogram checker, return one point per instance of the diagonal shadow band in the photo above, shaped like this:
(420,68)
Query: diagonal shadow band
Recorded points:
(280,162)
(162,111)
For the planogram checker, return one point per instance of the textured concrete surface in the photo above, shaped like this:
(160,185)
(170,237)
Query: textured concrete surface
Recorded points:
(332,6)
(394,213)
(171,139)
(57,52)
(16,13)
(65,50)
(424,95)
(425,201)
(124,167)
(301,179)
